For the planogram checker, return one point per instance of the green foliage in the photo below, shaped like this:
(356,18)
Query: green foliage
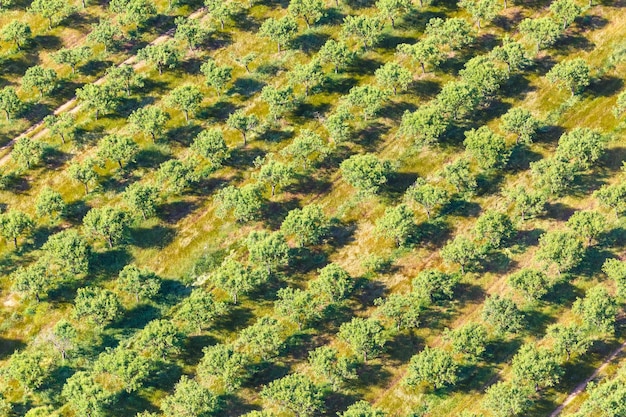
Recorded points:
(83,172)
(190,31)
(506,399)
(310,10)
(425,52)
(295,393)
(210,145)
(536,367)
(14,224)
(221,365)
(49,203)
(522,123)
(462,251)
(63,337)
(482,74)
(618,110)
(124,78)
(307,147)
(433,285)
(494,229)
(98,306)
(366,337)
(543,31)
(426,195)
(393,9)
(612,196)
(274,173)
(570,339)
(333,284)
(606,398)
(86,396)
(572,74)
(68,252)
(141,199)
(424,126)
(511,53)
(43,80)
(566,11)
(487,148)
(280,31)
(368,30)
(221,10)
(279,100)
(458,174)
(368,99)
(336,53)
(100,98)
(63,125)
(597,310)
(481,10)
(267,249)
(563,249)
(433,366)
(124,369)
(262,340)
(503,315)
(454,32)
(162,56)
(468,340)
(160,338)
(32,280)
(105,32)
(142,283)
(310,75)
(308,225)
(189,399)
(29,368)
(10,103)
(133,11)
(117,148)
(527,203)
(200,309)
(326,363)
(581,146)
(587,225)
(403,310)
(245,202)
(52,10)
(457,99)
(531,283)
(393,76)
(553,175)
(16,31)
(365,172)
(337,124)
(27,152)
(244,123)
(616,271)
(186,98)
(217,76)
(108,222)
(235,279)
(296,305)
(398,224)
(362,409)
(175,176)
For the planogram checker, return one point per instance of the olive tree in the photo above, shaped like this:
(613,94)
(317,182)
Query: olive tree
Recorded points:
(573,75)
(365,172)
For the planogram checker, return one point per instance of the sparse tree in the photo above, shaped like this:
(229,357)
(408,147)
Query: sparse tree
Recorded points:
(566,11)
(72,56)
(615,269)
(68,252)
(494,229)
(507,399)
(308,225)
(588,225)
(281,31)
(108,222)
(117,148)
(537,367)
(581,147)
(573,75)
(393,9)
(268,249)
(487,148)
(297,306)
(190,399)
(133,11)
(85,395)
(235,279)
(528,203)
(263,340)
(368,30)
(14,224)
(309,10)
(100,98)
(49,203)
(275,174)
(393,76)
(123,78)
(245,202)
(32,281)
(200,309)
(105,32)
(149,120)
(468,340)
(368,99)
(553,175)
(221,10)
(426,195)
(52,10)
(597,310)
(333,284)
(462,251)
(481,10)
(326,362)
(336,53)
(398,223)
(613,196)
(403,310)
(279,100)
(433,285)
(522,123)
(424,126)
(309,75)
(160,338)
(511,53)
(41,79)
(162,56)
(190,31)
(10,103)
(457,99)
(63,125)
(569,339)
(295,393)
(217,76)
(543,31)
(307,147)
(458,174)
(244,123)
(83,172)
(27,152)
(186,98)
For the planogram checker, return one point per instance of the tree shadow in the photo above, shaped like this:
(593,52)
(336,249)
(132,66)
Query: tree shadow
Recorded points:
(337,402)
(461,207)
(150,157)
(138,317)
(521,157)
(501,351)
(364,66)
(246,86)
(94,67)
(402,347)
(157,236)
(274,212)
(508,22)
(109,263)
(9,346)
(397,184)
(173,212)
(592,261)
(526,238)
(605,86)
(75,211)
(184,134)
(310,42)
(371,136)
(340,233)
(563,293)
(370,374)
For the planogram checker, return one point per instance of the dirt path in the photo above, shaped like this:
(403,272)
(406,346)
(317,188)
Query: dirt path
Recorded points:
(71,106)
(581,387)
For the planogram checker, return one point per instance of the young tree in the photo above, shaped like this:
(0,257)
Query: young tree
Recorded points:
(573,74)
(487,148)
(458,174)
(267,249)
(261,341)
(189,399)
(295,393)
(108,222)
(163,55)
(120,149)
(149,120)
(175,176)
(494,229)
(481,10)
(200,309)
(368,30)
(72,56)
(569,339)
(210,145)
(362,409)
(563,249)
(403,310)
(365,172)
(393,76)
(543,31)
(100,98)
(553,175)
(124,369)
(275,174)
(308,225)
(16,31)
(309,10)
(588,225)
(86,396)
(454,32)
(83,172)
(186,98)
(280,31)
(398,224)
(566,11)
(123,78)
(63,337)
(531,283)
(49,203)
(426,195)
(14,224)
(27,152)
(41,79)
(503,315)
(245,202)
(63,125)
(52,10)
(309,75)
(366,337)
(217,76)
(520,122)
(620,104)
(279,100)
(221,10)
(581,147)
(616,271)
(190,31)
(68,252)
(506,399)
(245,60)
(336,53)
(393,9)
(244,123)
(10,103)
(462,251)
(97,305)
(297,306)
(433,366)
(160,338)
(457,99)
(105,32)
(537,367)
(597,310)
(424,126)
(527,203)
(367,98)
(221,365)
(612,196)
(326,362)
(235,279)
(511,53)
(468,340)
(32,281)
(307,147)
(332,285)
(433,285)
(425,52)
(142,283)
(133,11)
